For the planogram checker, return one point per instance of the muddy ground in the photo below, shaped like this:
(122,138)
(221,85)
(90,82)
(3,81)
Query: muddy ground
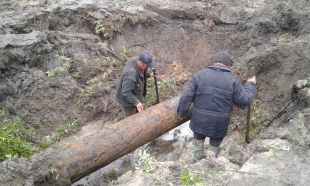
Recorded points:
(60,60)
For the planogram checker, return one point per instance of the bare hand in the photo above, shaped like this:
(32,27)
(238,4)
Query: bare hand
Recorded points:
(153,75)
(252,80)
(139,107)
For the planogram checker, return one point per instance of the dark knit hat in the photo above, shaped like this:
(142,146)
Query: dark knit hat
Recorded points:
(147,58)
(223,57)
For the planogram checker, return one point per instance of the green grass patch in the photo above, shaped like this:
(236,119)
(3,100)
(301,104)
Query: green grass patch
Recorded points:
(306,83)
(64,130)
(166,90)
(108,29)
(258,117)
(64,68)
(146,162)
(189,178)
(11,142)
(93,85)
(17,141)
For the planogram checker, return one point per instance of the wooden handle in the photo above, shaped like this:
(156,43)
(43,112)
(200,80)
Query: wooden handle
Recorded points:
(156,86)
(248,123)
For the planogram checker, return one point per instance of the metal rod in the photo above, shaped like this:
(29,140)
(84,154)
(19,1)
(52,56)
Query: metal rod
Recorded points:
(248,123)
(156,86)
(251,73)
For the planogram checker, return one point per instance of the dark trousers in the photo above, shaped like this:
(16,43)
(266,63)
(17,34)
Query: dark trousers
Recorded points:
(128,111)
(214,141)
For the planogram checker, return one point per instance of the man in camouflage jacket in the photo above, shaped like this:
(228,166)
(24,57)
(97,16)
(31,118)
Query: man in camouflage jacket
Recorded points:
(132,86)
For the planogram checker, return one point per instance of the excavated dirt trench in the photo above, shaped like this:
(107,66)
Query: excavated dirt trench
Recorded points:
(271,36)
(188,33)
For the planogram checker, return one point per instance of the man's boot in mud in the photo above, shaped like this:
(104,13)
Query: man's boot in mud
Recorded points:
(198,150)
(214,150)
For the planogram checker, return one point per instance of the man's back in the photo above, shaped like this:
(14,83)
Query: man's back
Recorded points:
(213,92)
(215,89)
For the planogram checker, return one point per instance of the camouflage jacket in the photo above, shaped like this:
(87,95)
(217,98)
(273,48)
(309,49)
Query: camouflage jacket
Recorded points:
(132,86)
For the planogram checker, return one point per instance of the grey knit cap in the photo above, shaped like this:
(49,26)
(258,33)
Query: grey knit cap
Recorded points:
(223,57)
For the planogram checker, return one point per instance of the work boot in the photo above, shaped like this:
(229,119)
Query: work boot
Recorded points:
(215,150)
(198,150)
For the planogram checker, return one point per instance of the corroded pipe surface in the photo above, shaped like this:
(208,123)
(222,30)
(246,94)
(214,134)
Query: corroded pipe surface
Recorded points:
(85,153)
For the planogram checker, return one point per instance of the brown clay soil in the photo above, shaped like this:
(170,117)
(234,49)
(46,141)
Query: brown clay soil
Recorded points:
(37,36)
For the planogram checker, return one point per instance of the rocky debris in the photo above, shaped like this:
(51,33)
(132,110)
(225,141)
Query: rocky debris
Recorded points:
(38,171)
(284,163)
(283,18)
(301,91)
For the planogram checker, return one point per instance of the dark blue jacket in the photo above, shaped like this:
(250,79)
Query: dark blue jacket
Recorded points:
(213,91)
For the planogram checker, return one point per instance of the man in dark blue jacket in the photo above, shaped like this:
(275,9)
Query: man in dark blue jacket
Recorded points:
(213,92)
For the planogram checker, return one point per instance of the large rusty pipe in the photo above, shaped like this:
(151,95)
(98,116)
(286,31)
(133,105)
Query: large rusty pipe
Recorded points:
(83,154)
